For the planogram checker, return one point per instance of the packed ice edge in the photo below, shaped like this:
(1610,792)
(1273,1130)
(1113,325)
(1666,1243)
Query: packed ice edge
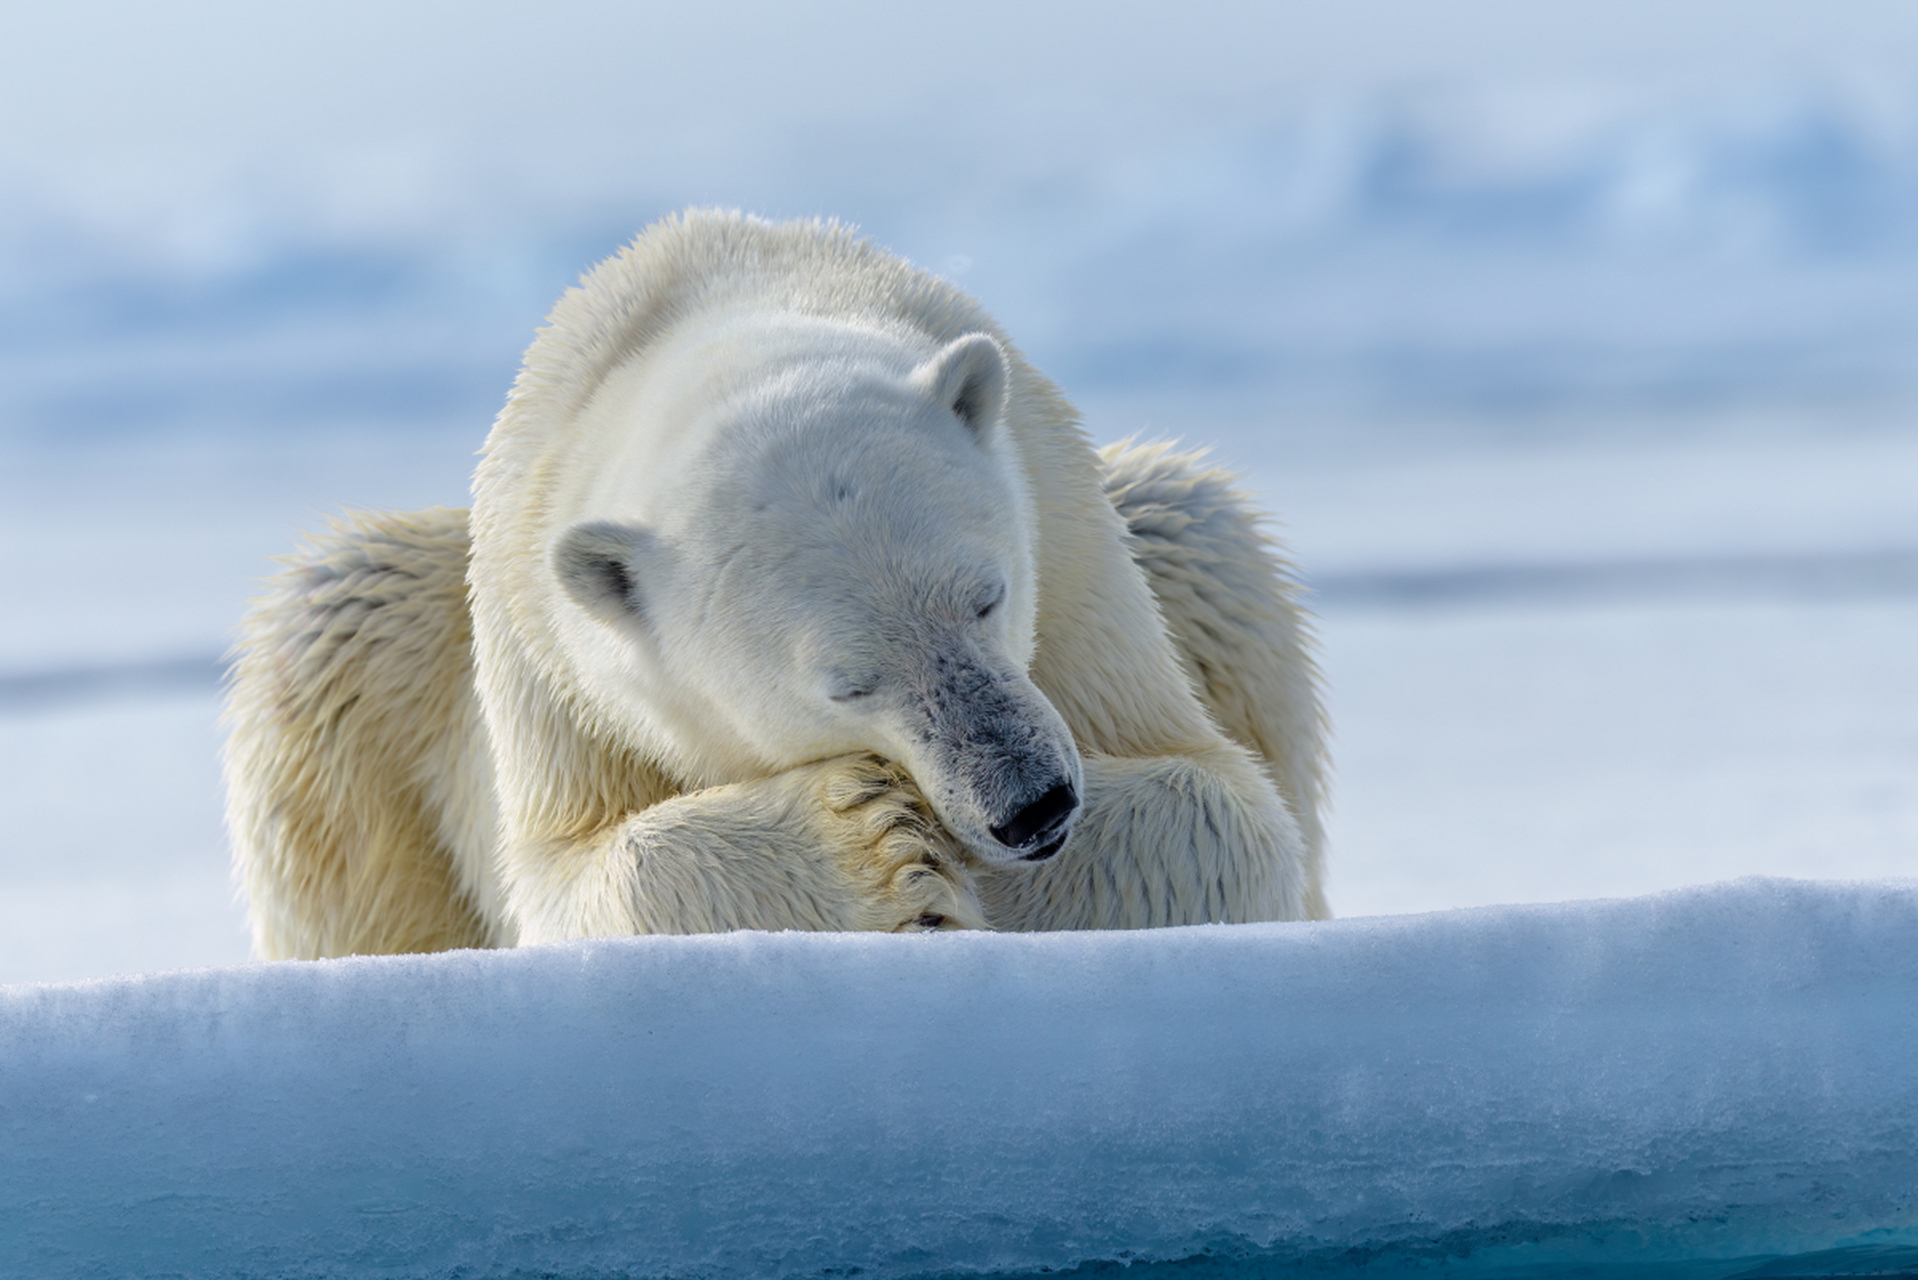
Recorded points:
(1728,1072)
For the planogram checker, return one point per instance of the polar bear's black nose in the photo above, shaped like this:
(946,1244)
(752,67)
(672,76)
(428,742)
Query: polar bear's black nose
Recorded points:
(1039,826)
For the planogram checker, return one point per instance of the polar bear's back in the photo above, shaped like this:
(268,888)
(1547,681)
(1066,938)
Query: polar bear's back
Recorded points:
(705,262)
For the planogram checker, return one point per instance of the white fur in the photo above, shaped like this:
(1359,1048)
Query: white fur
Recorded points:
(767,509)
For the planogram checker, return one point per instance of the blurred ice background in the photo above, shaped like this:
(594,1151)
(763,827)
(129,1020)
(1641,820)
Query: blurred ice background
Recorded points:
(1574,344)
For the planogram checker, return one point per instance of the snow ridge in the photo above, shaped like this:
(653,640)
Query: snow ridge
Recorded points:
(1725,1072)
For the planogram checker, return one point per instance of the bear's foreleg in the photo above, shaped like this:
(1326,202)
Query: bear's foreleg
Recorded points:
(1168,840)
(842,844)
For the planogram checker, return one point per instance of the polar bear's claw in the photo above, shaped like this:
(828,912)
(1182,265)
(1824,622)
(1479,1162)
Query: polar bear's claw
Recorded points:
(908,873)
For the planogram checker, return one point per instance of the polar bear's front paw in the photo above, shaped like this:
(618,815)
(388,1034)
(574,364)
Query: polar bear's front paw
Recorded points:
(907,873)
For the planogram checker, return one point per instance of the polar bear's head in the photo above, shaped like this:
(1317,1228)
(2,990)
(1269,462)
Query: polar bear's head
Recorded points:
(804,539)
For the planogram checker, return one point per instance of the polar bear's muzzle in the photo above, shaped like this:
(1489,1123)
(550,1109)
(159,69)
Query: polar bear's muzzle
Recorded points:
(994,758)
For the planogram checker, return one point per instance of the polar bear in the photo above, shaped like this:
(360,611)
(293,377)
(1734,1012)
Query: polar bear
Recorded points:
(791,597)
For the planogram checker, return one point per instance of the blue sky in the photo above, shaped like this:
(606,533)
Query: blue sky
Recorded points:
(582,86)
(232,211)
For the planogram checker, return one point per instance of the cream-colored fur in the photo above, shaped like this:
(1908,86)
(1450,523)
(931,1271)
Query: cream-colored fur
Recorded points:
(413,767)
(359,788)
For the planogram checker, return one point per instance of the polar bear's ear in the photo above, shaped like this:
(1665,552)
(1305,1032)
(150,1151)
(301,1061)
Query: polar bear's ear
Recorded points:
(969,378)
(598,563)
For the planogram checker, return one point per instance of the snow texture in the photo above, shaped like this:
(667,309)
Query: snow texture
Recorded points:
(1724,1073)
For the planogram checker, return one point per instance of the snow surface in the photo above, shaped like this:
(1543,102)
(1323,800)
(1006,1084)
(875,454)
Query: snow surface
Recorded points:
(1721,1073)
